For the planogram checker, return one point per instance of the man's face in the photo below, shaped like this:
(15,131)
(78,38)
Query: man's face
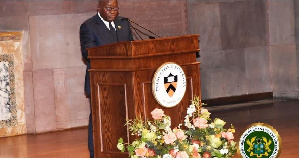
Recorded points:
(108,10)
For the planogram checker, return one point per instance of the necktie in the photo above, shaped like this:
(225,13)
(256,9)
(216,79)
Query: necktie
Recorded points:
(113,34)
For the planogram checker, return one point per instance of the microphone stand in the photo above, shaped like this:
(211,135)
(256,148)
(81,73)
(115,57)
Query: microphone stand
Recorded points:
(135,30)
(139,31)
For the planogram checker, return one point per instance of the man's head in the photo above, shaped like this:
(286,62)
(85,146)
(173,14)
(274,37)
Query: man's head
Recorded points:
(108,9)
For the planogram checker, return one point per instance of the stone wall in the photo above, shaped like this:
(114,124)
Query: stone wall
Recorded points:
(247,47)
(234,55)
(284,57)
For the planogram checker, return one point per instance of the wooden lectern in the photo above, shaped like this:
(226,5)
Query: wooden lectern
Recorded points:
(121,85)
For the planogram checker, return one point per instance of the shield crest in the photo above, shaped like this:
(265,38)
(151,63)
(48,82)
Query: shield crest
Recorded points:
(170,83)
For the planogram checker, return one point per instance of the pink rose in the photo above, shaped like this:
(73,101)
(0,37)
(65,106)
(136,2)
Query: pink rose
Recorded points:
(206,155)
(151,153)
(195,153)
(157,113)
(141,152)
(169,138)
(228,135)
(180,134)
(182,154)
(200,122)
(172,153)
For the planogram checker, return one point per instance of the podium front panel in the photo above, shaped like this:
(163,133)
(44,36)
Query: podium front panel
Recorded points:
(110,111)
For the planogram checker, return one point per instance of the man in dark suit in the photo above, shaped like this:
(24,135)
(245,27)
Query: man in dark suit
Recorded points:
(104,28)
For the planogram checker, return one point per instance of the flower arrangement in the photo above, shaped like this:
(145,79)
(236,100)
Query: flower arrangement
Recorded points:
(198,137)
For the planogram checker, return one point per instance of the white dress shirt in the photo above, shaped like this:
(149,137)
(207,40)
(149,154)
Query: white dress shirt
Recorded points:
(107,23)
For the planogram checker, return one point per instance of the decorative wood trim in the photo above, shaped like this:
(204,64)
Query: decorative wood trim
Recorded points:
(132,70)
(144,56)
(238,99)
(7,36)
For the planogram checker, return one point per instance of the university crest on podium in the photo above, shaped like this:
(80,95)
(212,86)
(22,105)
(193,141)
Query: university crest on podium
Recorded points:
(260,140)
(169,84)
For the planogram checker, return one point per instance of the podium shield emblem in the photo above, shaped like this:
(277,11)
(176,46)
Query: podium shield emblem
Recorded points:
(170,84)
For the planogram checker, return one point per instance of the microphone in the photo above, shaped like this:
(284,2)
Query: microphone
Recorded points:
(139,31)
(150,37)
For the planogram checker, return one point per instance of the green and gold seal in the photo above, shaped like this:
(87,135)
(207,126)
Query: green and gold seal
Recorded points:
(259,140)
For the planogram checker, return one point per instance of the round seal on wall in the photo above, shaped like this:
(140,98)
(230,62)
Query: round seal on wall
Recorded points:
(169,84)
(259,140)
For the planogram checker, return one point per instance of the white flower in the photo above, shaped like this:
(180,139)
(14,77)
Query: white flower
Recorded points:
(134,156)
(167,156)
(191,110)
(179,125)
(196,146)
(167,121)
(120,146)
(135,143)
(224,151)
(158,137)
(168,129)
(212,125)
(232,143)
(176,150)
(192,106)
(143,144)
(225,145)
(152,128)
(187,123)
(190,126)
(186,120)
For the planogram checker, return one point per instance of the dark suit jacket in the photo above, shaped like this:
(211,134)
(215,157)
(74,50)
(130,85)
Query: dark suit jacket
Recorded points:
(93,32)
